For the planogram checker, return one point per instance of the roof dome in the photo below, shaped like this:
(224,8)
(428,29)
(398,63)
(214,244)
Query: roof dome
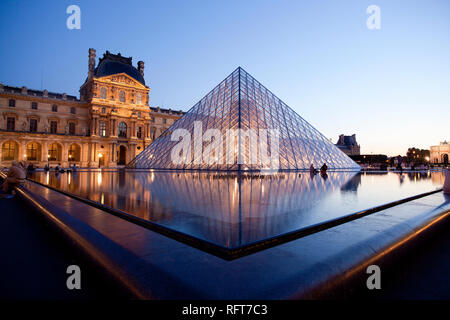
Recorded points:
(114,64)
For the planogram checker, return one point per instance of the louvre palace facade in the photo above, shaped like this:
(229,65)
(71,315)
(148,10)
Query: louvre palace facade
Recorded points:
(107,126)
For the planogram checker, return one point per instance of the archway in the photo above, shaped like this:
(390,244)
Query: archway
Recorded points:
(74,152)
(54,152)
(122,155)
(33,151)
(445,159)
(10,151)
(101,160)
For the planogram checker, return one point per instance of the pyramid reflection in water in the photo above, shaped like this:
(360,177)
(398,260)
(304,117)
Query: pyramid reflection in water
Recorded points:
(241,102)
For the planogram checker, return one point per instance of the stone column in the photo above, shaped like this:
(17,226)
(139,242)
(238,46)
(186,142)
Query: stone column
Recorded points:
(93,155)
(65,155)
(44,153)
(133,129)
(85,155)
(112,158)
(22,149)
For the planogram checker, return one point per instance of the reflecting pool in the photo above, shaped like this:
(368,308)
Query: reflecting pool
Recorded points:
(232,211)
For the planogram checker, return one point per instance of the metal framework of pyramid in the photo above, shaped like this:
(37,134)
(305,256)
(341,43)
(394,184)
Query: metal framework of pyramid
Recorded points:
(241,102)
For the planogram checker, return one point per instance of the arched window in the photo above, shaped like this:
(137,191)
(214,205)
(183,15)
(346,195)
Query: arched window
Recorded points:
(32,151)
(74,152)
(121,96)
(54,152)
(103,93)
(9,150)
(123,130)
(138,98)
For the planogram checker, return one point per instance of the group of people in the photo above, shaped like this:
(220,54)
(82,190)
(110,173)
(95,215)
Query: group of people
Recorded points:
(59,169)
(16,177)
(323,170)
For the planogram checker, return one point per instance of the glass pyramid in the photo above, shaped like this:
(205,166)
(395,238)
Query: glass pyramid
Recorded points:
(240,102)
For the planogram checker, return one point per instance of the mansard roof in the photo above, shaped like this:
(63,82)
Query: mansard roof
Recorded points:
(116,63)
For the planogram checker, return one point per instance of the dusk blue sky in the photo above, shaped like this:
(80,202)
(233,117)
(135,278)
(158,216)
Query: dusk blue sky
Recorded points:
(391,87)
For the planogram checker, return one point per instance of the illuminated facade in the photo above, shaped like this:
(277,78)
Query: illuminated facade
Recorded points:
(107,126)
(440,153)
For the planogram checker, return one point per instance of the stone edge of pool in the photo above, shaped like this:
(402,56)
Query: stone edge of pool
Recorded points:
(153,266)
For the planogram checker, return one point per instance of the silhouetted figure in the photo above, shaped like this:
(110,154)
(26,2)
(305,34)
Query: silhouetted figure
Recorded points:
(399,167)
(312,170)
(323,169)
(46,168)
(30,168)
(58,168)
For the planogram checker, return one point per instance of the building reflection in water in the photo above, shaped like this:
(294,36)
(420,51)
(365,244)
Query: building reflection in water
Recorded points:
(223,208)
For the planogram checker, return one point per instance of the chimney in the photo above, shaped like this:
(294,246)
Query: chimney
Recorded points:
(91,67)
(141,67)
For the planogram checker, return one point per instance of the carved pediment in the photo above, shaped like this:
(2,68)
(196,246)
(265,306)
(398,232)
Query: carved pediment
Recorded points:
(122,78)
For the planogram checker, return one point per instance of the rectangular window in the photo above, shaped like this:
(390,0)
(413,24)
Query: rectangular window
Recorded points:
(139,132)
(34,105)
(164,120)
(33,125)
(54,108)
(53,126)
(72,110)
(11,124)
(12,102)
(71,128)
(102,129)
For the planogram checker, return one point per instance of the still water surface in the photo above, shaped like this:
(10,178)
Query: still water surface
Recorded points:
(233,212)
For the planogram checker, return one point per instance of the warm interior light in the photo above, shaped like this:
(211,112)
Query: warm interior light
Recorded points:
(100,155)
